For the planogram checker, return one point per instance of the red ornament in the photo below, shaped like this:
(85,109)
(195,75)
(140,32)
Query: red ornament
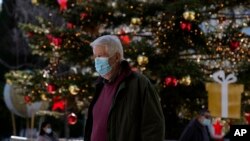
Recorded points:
(171,81)
(83,16)
(59,104)
(217,128)
(247,117)
(185,26)
(72,119)
(56,41)
(27,99)
(62,4)
(51,88)
(234,45)
(168,81)
(70,25)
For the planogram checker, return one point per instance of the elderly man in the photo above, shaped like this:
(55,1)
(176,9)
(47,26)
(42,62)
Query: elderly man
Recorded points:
(126,106)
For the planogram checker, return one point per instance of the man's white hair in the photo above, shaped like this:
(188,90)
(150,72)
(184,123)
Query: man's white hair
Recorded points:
(111,42)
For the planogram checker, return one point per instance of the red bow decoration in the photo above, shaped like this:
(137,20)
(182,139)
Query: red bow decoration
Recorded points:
(171,81)
(124,38)
(59,104)
(185,26)
(63,4)
(217,128)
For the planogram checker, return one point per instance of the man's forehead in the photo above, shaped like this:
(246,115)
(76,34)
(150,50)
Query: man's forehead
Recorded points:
(99,49)
(99,46)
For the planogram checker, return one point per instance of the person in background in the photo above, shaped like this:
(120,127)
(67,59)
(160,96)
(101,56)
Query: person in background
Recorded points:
(197,129)
(46,133)
(126,107)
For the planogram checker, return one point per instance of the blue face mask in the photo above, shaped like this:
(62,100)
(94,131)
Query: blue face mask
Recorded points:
(102,65)
(206,122)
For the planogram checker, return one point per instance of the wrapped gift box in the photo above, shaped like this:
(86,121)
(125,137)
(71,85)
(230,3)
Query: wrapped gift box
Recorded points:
(224,98)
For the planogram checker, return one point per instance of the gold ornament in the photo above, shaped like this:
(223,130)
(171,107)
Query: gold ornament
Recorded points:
(135,21)
(142,60)
(35,2)
(185,80)
(44,97)
(189,15)
(73,89)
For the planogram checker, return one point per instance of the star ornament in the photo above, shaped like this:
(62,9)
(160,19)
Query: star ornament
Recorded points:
(217,128)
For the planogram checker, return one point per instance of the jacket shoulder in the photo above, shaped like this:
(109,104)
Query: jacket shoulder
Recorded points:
(140,81)
(140,77)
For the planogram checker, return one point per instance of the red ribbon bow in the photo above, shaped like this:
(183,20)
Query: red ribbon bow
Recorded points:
(171,81)
(63,4)
(185,26)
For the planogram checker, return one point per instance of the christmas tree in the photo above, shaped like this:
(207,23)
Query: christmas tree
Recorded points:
(177,44)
